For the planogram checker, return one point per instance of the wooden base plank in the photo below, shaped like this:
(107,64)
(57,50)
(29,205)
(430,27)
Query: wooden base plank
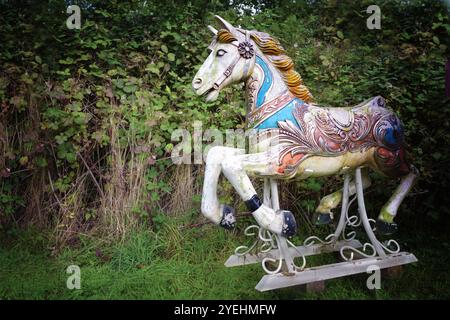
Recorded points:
(336,270)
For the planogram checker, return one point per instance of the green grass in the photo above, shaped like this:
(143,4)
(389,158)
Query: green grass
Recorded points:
(188,264)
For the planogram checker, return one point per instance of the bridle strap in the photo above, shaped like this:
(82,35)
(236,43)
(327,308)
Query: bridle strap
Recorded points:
(228,71)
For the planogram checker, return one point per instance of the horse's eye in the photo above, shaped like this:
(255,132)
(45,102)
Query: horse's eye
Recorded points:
(221,52)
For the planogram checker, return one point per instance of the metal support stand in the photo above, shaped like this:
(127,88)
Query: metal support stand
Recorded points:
(279,252)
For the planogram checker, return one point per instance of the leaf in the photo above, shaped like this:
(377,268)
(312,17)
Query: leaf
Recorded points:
(436,40)
(60,139)
(23,160)
(410,107)
(130,89)
(41,162)
(26,78)
(168,147)
(152,68)
(340,35)
(112,72)
(69,60)
(171,57)
(164,48)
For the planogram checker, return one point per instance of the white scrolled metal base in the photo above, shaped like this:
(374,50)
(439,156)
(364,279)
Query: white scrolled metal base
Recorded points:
(295,252)
(280,251)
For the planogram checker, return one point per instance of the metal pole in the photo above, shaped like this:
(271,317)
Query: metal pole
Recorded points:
(363,214)
(282,243)
(266,193)
(344,209)
(274,194)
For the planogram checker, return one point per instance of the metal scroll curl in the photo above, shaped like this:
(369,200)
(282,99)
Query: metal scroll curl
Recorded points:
(280,258)
(266,241)
(364,252)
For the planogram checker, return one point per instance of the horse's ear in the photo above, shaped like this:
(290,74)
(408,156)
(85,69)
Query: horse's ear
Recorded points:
(225,24)
(213,30)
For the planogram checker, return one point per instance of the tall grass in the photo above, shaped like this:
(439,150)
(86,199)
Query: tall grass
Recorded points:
(124,188)
(184,186)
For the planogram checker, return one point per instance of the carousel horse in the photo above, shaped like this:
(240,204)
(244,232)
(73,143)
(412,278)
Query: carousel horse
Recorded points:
(296,138)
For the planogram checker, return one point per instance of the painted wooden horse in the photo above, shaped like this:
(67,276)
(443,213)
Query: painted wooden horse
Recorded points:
(310,140)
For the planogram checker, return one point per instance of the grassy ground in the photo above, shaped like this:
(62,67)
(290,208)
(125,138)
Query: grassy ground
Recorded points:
(188,264)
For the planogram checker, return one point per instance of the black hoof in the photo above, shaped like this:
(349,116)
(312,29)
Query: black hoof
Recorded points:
(289,224)
(228,220)
(386,228)
(323,219)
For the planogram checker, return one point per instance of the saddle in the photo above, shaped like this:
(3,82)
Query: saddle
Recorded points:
(344,118)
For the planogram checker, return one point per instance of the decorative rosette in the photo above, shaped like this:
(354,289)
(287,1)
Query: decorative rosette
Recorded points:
(246,50)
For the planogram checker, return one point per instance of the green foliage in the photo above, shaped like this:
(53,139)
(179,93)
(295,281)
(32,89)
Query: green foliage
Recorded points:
(126,68)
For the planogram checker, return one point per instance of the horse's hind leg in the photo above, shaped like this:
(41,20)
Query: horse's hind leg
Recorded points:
(332,201)
(236,170)
(385,221)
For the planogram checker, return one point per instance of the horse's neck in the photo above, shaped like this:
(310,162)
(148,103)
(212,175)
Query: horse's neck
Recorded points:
(264,84)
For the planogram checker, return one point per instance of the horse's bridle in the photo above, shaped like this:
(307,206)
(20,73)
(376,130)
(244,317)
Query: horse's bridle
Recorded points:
(246,52)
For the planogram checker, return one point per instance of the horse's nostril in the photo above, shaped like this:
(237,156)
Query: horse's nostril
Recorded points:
(197,82)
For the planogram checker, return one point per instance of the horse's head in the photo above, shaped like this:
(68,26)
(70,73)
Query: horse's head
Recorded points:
(231,60)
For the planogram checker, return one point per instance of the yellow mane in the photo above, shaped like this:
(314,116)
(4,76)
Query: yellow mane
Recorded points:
(276,54)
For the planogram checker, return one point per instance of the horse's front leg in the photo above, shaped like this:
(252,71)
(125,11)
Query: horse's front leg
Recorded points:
(236,169)
(210,207)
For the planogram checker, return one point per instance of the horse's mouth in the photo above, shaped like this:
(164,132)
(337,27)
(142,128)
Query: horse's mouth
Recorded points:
(211,94)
